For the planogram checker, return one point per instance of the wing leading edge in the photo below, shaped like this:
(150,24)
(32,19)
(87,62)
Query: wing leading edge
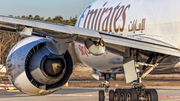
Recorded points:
(56,30)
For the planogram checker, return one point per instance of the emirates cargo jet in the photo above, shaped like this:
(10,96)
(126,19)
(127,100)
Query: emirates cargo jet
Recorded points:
(134,37)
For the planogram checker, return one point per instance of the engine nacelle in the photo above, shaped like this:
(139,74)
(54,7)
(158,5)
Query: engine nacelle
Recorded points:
(35,67)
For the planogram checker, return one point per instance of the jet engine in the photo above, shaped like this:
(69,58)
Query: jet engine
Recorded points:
(35,67)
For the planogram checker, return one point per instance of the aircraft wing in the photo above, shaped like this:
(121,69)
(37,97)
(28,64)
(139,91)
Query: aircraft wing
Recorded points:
(57,30)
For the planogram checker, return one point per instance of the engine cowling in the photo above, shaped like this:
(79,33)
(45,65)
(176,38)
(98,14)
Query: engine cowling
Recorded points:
(35,67)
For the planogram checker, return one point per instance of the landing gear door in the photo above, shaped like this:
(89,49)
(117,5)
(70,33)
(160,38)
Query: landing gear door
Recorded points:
(129,66)
(95,74)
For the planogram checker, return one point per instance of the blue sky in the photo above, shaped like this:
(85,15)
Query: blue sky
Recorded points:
(44,8)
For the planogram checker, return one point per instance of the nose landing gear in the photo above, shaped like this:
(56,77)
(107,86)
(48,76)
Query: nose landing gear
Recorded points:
(106,93)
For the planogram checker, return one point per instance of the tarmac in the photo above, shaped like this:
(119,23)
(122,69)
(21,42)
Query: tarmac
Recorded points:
(83,94)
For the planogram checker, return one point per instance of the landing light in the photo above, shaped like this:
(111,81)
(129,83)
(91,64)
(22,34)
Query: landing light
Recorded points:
(95,46)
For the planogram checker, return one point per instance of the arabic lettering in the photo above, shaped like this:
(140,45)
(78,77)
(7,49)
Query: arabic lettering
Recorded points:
(133,26)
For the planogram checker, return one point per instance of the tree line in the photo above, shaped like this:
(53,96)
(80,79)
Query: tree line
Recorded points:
(57,19)
(9,39)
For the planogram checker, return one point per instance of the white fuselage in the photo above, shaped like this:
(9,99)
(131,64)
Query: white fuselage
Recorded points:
(155,19)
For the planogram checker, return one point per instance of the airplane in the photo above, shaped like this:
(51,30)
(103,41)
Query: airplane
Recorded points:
(134,37)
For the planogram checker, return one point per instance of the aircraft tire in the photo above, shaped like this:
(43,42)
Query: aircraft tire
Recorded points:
(117,95)
(123,93)
(111,95)
(101,95)
(131,95)
(152,95)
